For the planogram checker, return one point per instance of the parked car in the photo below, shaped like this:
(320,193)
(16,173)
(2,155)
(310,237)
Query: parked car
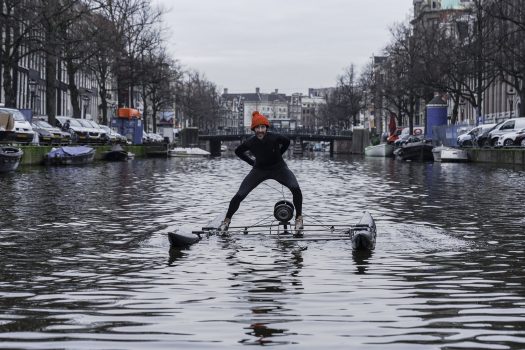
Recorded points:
(465,139)
(520,140)
(156,137)
(149,137)
(483,138)
(23,131)
(512,124)
(79,133)
(469,138)
(113,136)
(509,138)
(96,133)
(51,135)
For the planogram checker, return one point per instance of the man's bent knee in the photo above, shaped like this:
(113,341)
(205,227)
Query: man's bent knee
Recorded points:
(295,189)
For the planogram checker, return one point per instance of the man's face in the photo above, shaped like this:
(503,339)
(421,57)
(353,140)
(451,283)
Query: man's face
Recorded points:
(260,131)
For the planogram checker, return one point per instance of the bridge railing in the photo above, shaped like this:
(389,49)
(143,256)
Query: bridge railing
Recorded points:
(296,131)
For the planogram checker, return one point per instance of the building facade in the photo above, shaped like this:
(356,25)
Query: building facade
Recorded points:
(283,112)
(499,99)
(31,89)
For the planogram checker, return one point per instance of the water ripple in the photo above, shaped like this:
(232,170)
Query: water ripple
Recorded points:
(86,263)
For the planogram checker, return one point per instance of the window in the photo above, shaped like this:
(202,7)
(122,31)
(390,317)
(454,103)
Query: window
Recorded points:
(508,125)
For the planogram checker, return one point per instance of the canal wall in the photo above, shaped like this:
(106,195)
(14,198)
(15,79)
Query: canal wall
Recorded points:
(497,155)
(360,140)
(34,155)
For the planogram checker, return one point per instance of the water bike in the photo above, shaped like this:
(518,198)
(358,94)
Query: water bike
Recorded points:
(362,235)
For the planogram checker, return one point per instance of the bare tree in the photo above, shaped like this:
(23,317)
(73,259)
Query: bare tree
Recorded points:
(56,17)
(159,77)
(509,16)
(18,35)
(402,86)
(135,24)
(479,48)
(461,52)
(103,59)
(77,50)
(344,104)
(199,100)
(351,96)
(436,58)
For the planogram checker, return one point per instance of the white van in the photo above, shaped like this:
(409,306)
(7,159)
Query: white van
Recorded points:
(23,130)
(469,138)
(508,125)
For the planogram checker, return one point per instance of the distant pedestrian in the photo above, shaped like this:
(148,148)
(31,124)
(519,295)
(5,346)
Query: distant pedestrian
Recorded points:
(66,126)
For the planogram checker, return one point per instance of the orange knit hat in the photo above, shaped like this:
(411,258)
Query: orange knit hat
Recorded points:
(259,119)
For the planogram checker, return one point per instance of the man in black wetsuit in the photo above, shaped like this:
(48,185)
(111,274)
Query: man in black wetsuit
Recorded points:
(267,148)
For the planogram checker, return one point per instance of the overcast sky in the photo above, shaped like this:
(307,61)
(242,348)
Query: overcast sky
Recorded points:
(290,45)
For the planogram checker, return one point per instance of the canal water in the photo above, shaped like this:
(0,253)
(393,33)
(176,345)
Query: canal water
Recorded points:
(86,264)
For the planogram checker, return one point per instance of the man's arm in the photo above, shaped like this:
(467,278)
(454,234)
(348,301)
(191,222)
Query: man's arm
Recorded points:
(285,142)
(241,150)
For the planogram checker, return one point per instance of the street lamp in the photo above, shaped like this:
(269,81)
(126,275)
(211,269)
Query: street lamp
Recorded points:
(85,99)
(240,112)
(510,96)
(32,92)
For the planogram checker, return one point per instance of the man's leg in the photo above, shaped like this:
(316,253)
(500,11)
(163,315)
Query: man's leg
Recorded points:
(252,180)
(286,178)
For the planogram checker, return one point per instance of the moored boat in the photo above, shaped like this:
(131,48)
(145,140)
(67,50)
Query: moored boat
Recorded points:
(116,154)
(436,153)
(381,150)
(450,154)
(188,152)
(419,151)
(70,155)
(9,158)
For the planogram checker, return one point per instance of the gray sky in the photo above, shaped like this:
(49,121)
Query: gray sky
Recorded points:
(290,45)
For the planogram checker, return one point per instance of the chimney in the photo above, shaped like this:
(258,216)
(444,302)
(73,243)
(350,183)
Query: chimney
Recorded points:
(257,90)
(225,91)
(276,91)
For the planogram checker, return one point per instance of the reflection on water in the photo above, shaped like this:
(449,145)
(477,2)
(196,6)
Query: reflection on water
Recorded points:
(86,263)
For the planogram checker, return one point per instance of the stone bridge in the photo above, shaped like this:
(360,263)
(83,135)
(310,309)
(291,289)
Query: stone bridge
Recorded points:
(340,141)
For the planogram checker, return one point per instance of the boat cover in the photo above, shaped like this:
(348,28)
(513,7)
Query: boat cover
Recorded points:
(7,121)
(69,151)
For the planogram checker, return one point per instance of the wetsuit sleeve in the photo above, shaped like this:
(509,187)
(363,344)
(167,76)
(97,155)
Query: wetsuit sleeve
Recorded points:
(241,150)
(285,142)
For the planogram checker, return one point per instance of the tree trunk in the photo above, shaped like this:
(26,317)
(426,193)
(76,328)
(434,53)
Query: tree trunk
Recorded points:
(8,87)
(7,63)
(455,110)
(104,104)
(456,98)
(144,108)
(411,101)
(521,110)
(51,88)
(14,89)
(154,118)
(71,71)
